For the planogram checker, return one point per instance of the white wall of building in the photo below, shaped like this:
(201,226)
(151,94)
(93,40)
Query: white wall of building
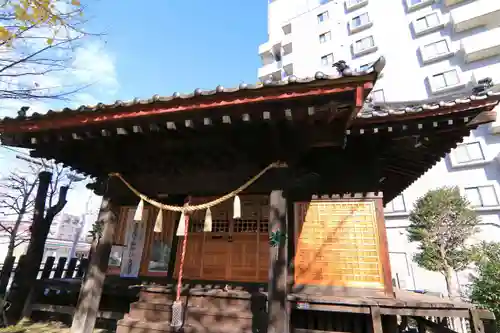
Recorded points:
(471,31)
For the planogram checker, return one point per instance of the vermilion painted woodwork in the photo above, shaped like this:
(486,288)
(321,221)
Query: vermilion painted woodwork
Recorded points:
(88,118)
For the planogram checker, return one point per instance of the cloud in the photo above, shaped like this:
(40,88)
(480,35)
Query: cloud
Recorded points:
(91,66)
(89,70)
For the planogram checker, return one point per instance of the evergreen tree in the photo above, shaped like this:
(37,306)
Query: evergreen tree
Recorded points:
(441,222)
(485,290)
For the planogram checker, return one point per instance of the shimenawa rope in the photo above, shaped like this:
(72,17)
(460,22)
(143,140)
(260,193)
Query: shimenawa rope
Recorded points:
(188,208)
(177,316)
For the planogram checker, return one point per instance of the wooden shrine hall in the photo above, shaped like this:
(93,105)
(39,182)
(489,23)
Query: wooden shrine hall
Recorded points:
(257,208)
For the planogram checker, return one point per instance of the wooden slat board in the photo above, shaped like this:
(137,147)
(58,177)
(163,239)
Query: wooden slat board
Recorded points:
(338,244)
(236,249)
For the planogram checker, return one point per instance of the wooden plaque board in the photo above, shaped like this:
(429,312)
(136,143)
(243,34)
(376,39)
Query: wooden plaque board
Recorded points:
(339,244)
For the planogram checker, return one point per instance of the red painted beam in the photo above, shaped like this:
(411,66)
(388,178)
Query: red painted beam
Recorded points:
(97,117)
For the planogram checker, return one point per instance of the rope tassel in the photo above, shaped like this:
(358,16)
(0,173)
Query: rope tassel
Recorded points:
(207,227)
(182,225)
(205,205)
(159,222)
(139,211)
(237,208)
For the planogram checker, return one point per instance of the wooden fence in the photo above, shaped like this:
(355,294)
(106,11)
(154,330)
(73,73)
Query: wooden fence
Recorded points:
(64,269)
(55,294)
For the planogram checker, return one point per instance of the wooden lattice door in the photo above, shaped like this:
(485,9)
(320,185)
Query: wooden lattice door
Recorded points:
(235,249)
(249,241)
(194,250)
(216,247)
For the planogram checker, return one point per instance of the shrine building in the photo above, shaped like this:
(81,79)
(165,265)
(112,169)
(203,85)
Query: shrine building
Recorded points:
(277,189)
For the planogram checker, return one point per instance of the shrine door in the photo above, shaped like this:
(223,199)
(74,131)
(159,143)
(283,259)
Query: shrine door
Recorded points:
(235,249)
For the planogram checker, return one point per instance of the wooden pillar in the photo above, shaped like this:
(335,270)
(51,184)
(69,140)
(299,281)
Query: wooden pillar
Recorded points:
(476,323)
(376,322)
(278,313)
(25,277)
(87,307)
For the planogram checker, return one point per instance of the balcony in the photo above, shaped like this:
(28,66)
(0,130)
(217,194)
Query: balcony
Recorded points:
(449,3)
(274,69)
(481,46)
(267,47)
(287,59)
(363,46)
(351,5)
(476,14)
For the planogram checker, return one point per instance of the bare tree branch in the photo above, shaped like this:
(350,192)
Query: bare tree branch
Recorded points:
(17,195)
(38,43)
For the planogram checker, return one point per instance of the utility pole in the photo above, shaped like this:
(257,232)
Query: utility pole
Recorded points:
(81,227)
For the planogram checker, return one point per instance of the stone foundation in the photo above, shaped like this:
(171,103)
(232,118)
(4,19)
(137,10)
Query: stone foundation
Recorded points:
(207,311)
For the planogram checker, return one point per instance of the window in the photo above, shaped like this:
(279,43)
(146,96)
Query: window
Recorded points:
(352,3)
(323,17)
(397,205)
(378,95)
(414,4)
(115,256)
(436,49)
(446,79)
(364,44)
(427,22)
(81,254)
(277,56)
(287,49)
(287,29)
(327,59)
(482,196)
(468,152)
(323,38)
(159,256)
(360,20)
(364,67)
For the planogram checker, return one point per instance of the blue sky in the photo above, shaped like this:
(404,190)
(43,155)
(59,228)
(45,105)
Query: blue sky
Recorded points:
(153,47)
(173,45)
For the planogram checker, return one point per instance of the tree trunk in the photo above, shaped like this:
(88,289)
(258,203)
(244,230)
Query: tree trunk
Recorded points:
(27,274)
(10,249)
(448,275)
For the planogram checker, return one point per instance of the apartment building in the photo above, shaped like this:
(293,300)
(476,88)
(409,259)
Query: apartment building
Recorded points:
(433,49)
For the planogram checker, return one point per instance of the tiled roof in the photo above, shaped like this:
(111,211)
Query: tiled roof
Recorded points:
(371,110)
(289,81)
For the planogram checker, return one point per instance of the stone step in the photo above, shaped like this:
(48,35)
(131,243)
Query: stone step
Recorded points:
(157,294)
(150,312)
(163,312)
(241,300)
(205,325)
(160,306)
(128,325)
